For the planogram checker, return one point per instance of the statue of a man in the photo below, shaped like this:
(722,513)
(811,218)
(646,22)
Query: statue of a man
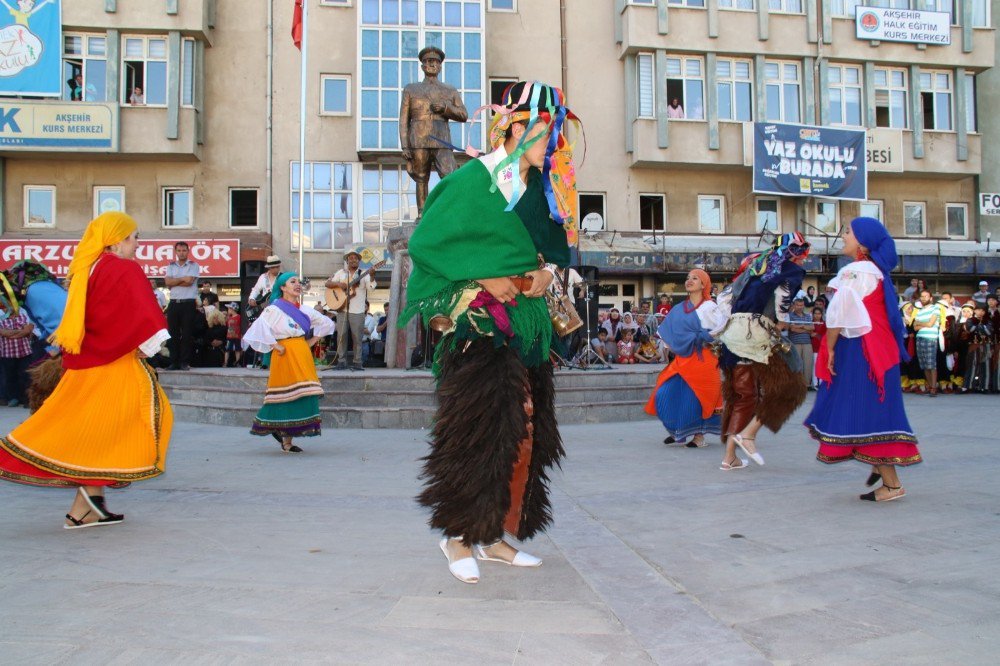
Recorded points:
(424,114)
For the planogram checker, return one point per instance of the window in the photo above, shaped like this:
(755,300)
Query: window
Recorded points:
(872,209)
(187,72)
(781,82)
(328,205)
(644,84)
(39,206)
(144,71)
(242,207)
(107,199)
(846,7)
(652,212)
(956,217)
(827,217)
(845,94)
(177,207)
(85,68)
(592,216)
(336,3)
(497,88)
(335,98)
(642,2)
(914,214)
(890,98)
(737,4)
(685,88)
(688,3)
(937,6)
(935,96)
(392,33)
(711,214)
(503,5)
(734,84)
(971,118)
(787,6)
(980,13)
(768,214)
(388,198)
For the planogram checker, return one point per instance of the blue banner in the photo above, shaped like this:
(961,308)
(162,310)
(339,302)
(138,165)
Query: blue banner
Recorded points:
(31,47)
(800,160)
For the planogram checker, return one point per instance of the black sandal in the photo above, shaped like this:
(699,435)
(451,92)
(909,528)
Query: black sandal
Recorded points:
(870,497)
(291,448)
(97,506)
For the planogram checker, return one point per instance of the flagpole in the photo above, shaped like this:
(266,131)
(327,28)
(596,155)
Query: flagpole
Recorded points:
(302,130)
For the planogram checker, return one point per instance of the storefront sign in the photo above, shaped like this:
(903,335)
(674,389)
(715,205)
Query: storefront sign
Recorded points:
(31,48)
(884,149)
(902,25)
(796,160)
(75,126)
(989,203)
(217,257)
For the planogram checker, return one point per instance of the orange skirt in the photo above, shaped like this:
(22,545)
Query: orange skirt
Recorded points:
(102,426)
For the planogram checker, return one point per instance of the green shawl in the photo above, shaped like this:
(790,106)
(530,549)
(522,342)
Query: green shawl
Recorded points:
(464,235)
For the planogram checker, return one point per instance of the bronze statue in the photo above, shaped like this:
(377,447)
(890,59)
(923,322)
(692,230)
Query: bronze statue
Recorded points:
(423,116)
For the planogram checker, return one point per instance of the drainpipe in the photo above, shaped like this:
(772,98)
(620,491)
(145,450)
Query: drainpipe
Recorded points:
(269,113)
(562,47)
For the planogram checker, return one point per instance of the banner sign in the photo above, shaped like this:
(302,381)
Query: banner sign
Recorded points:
(797,160)
(217,257)
(989,203)
(902,25)
(70,126)
(31,48)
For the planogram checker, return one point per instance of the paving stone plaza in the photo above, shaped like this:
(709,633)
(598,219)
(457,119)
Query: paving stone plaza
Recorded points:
(241,554)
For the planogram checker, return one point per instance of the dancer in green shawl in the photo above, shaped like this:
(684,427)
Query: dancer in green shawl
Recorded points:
(483,256)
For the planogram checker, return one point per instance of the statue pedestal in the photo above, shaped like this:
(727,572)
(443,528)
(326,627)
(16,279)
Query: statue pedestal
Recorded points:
(399,342)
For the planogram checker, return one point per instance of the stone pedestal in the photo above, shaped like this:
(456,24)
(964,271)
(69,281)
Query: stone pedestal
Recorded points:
(399,342)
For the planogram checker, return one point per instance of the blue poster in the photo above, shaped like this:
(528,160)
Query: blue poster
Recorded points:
(801,160)
(31,47)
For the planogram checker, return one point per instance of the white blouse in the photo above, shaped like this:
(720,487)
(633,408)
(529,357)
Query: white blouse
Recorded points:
(273,325)
(846,310)
(712,317)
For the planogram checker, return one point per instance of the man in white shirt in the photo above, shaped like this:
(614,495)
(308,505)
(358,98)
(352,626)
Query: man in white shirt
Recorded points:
(261,292)
(352,317)
(182,280)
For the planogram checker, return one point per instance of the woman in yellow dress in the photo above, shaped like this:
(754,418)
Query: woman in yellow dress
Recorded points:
(108,422)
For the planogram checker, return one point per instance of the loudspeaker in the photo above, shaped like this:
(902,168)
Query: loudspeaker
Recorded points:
(591,276)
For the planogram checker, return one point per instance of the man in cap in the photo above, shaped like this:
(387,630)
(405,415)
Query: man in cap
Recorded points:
(261,291)
(352,316)
(424,113)
(983,293)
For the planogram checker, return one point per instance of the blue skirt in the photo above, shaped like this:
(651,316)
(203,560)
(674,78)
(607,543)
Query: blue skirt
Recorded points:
(850,421)
(680,411)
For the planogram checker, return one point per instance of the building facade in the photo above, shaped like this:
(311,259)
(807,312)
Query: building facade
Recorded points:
(210,150)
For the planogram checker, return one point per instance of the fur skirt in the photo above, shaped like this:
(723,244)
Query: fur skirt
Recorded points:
(769,391)
(480,423)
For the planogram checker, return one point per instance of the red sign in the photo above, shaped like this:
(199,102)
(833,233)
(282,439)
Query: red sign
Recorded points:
(217,257)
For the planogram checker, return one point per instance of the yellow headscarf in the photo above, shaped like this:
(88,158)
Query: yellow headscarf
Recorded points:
(108,229)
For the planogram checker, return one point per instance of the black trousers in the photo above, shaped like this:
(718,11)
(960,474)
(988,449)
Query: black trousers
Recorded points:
(180,325)
(15,375)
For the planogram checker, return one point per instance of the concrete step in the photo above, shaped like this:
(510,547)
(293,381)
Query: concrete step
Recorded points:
(400,417)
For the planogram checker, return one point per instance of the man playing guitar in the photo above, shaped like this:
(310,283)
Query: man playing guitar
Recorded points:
(260,295)
(351,317)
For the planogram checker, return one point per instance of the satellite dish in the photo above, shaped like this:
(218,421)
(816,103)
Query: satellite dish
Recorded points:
(592,222)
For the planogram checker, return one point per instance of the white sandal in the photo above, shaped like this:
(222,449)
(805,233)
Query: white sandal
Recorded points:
(465,569)
(521,559)
(726,467)
(755,456)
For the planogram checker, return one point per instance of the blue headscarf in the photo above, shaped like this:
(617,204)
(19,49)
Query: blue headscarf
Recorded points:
(279,283)
(882,249)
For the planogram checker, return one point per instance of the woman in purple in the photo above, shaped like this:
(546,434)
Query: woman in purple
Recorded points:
(289,330)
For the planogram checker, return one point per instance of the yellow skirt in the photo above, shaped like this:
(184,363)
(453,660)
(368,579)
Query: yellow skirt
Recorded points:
(109,425)
(291,403)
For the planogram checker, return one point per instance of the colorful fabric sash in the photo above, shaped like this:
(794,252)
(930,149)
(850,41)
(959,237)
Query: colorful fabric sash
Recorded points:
(297,315)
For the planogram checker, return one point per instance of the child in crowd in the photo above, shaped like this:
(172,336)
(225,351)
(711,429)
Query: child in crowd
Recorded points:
(232,336)
(626,347)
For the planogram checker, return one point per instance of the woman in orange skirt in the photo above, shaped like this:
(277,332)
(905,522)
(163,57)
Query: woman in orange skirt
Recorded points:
(289,330)
(108,422)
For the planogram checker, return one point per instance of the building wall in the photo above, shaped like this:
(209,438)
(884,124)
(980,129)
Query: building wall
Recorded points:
(988,84)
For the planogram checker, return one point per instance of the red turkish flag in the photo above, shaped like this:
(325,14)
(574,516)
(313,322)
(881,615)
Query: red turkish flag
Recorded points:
(297,24)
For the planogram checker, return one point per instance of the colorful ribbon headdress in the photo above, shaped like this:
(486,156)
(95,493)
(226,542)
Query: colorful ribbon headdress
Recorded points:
(533,103)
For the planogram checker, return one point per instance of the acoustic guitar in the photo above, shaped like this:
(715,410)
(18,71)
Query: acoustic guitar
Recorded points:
(338,298)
